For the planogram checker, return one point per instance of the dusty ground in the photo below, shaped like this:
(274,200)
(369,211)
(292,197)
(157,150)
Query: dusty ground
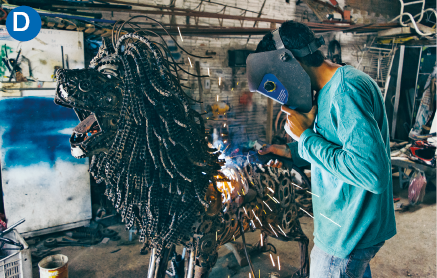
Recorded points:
(411,253)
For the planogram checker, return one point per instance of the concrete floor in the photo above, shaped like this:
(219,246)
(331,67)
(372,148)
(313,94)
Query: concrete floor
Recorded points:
(411,253)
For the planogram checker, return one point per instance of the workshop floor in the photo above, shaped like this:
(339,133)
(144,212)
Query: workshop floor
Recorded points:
(411,253)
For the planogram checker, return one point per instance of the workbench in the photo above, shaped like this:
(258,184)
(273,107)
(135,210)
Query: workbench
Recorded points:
(403,163)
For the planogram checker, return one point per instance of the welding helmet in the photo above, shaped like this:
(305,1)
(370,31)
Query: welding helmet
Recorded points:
(278,75)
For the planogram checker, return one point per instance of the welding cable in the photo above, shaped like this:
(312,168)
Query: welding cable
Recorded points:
(245,248)
(271,249)
(159,23)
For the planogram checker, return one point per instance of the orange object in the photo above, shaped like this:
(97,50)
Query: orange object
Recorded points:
(347,15)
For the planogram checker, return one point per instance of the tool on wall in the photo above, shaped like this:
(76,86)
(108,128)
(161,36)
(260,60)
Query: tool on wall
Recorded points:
(25,59)
(14,64)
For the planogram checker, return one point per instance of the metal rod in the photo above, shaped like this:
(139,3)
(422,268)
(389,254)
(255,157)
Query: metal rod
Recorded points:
(12,226)
(191,264)
(342,28)
(245,249)
(199,80)
(398,91)
(190,13)
(379,48)
(254,24)
(415,88)
(152,263)
(186,265)
(170,7)
(62,54)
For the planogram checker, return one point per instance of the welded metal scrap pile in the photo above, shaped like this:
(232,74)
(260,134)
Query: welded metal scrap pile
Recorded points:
(145,141)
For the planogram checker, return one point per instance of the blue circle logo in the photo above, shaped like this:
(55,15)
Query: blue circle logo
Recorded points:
(23,23)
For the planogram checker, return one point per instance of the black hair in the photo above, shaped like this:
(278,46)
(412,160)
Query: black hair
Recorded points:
(294,35)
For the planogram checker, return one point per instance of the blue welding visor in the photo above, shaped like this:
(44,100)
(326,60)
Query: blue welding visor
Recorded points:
(279,76)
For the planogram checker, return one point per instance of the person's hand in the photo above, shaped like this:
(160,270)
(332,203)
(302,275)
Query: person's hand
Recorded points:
(298,122)
(281,150)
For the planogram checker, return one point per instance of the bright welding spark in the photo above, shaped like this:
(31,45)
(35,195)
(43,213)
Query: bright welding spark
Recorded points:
(189,60)
(296,185)
(261,235)
(257,218)
(233,237)
(224,125)
(267,206)
(217,97)
(245,211)
(306,213)
(330,220)
(273,262)
(259,273)
(313,194)
(180,34)
(273,198)
(273,230)
(216,236)
(279,264)
(264,211)
(220,81)
(208,72)
(252,223)
(250,276)
(281,230)
(271,190)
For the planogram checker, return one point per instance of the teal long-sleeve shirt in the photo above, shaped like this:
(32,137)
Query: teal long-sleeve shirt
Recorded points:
(349,152)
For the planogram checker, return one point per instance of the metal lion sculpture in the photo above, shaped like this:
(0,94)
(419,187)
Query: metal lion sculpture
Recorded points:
(148,146)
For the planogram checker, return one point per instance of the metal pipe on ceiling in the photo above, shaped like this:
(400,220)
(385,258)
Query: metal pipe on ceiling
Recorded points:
(173,8)
(191,13)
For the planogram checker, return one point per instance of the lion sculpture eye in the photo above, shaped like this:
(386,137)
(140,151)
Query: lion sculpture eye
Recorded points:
(85,85)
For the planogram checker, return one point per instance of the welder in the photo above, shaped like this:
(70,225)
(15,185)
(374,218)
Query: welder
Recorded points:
(342,131)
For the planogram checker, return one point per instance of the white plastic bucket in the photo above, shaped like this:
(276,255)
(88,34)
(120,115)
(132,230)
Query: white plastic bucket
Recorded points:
(55,266)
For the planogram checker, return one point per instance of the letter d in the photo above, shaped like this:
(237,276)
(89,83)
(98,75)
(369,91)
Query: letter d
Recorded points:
(16,14)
